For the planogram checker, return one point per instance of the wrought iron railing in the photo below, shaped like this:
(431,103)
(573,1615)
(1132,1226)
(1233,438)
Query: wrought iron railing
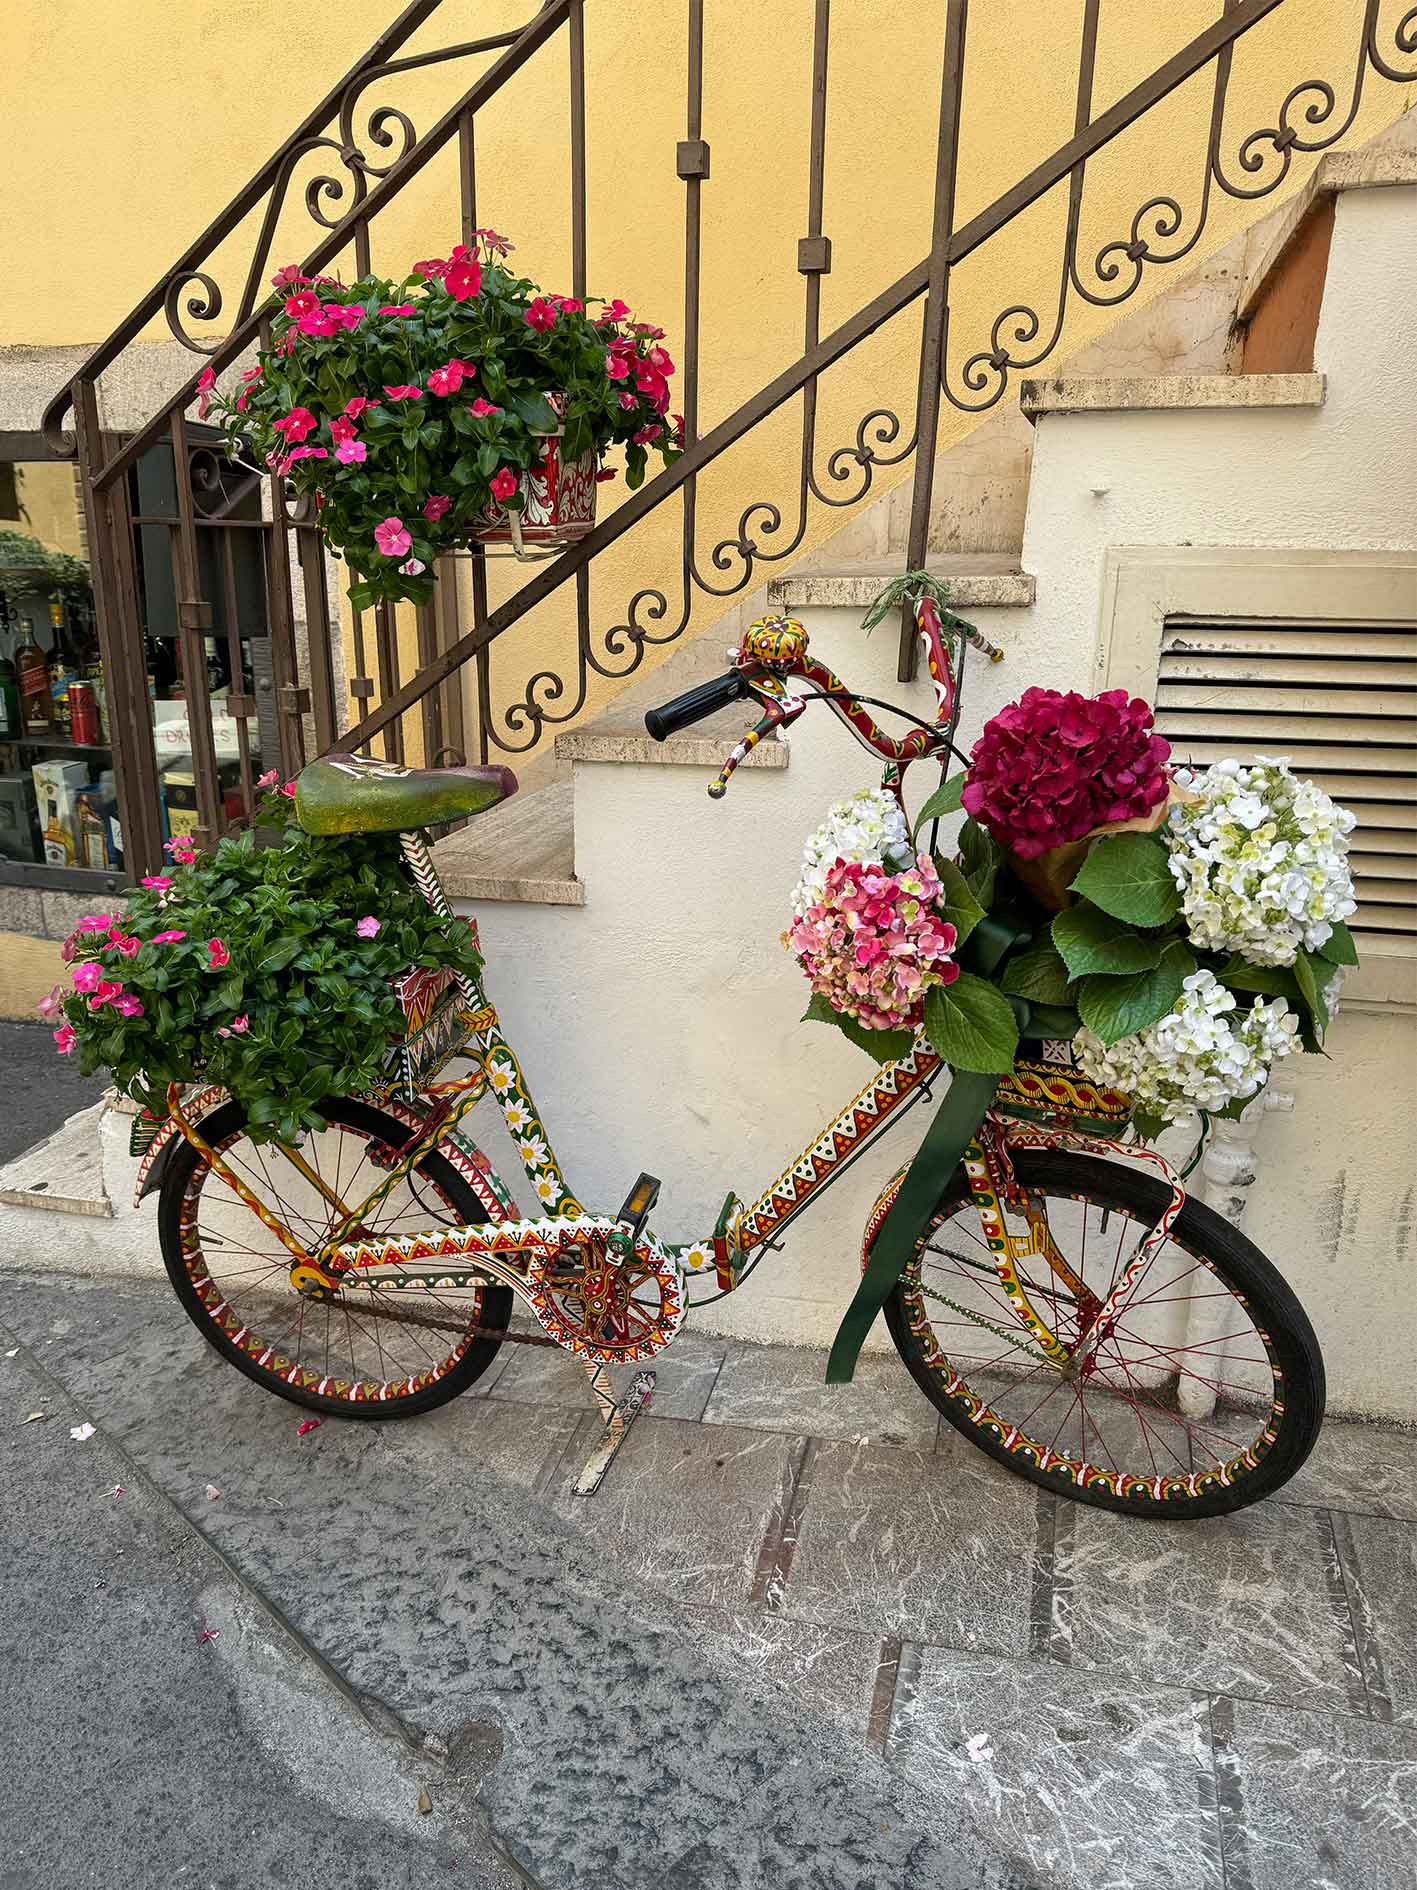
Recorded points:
(299,686)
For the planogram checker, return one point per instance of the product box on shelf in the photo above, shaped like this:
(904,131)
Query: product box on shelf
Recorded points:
(19,827)
(57,785)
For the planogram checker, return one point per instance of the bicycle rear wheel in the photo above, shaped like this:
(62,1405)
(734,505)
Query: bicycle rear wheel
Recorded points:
(1202,1394)
(360,1354)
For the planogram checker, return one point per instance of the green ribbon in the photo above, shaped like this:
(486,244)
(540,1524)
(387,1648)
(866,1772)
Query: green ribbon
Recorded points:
(965,1105)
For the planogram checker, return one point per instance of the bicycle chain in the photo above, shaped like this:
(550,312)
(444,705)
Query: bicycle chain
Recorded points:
(1019,1345)
(408,1318)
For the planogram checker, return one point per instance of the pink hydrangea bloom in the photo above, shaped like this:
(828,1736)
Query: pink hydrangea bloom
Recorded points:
(1051,767)
(435,506)
(368,926)
(351,452)
(503,483)
(876,944)
(392,537)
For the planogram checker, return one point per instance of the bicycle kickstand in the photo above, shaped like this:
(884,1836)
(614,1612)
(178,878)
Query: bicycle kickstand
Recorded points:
(617,1419)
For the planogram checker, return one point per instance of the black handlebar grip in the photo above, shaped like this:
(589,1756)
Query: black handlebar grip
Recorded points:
(695,704)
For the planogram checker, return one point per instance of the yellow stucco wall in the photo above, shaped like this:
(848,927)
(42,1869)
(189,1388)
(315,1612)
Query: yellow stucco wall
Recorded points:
(130,124)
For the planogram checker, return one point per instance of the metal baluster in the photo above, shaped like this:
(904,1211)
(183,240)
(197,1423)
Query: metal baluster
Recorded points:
(194,619)
(447,630)
(238,703)
(310,549)
(431,707)
(386,644)
(936,326)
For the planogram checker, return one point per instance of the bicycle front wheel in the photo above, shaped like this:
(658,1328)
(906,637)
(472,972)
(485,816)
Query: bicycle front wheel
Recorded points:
(360,1353)
(1201,1392)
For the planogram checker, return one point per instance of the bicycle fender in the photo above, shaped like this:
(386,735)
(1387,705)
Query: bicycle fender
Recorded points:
(154,1162)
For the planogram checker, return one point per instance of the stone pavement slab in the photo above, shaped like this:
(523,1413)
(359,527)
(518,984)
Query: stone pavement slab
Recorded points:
(1380,1557)
(773,1389)
(160,1724)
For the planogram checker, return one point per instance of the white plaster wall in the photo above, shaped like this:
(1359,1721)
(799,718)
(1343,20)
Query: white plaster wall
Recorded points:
(658,1023)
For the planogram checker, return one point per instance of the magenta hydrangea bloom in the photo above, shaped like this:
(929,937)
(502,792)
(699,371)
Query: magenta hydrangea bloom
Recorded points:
(875,945)
(1050,768)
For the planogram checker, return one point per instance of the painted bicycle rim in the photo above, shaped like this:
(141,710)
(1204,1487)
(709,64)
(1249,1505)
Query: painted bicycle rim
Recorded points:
(1180,1395)
(353,1348)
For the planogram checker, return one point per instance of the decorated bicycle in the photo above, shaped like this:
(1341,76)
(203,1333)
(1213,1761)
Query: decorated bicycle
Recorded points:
(1112,945)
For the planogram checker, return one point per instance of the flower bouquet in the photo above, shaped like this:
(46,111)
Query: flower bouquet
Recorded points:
(460,403)
(269,971)
(1179,931)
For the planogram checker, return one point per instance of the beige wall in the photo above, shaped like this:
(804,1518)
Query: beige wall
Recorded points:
(142,132)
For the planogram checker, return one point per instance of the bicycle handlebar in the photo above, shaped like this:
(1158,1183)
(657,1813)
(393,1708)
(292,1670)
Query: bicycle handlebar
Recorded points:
(683,711)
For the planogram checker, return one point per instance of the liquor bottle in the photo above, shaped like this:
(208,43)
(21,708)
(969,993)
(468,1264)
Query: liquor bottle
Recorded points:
(11,724)
(32,670)
(58,837)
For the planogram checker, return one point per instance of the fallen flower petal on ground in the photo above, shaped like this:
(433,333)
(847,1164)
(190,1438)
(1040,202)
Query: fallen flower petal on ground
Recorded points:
(81,1433)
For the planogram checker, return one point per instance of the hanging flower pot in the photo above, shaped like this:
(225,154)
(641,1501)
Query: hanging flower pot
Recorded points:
(459,405)
(557,500)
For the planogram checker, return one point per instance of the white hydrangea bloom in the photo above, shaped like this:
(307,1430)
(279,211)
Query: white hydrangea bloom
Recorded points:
(1261,860)
(867,826)
(1205,1054)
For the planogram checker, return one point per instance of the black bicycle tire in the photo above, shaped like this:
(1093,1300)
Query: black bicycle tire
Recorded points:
(1238,1262)
(182,1165)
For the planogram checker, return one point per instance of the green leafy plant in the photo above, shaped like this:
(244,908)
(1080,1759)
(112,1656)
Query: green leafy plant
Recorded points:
(264,969)
(411,410)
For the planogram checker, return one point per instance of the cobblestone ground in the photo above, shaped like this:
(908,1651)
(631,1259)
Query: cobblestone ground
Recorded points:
(806,1635)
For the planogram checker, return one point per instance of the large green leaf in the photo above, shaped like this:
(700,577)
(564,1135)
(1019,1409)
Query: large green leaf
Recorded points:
(1129,876)
(1307,971)
(945,800)
(884,1045)
(1338,948)
(1038,973)
(958,905)
(1092,941)
(972,1025)
(981,858)
(1119,1007)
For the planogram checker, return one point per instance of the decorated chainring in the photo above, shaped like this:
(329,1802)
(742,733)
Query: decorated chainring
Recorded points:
(606,1309)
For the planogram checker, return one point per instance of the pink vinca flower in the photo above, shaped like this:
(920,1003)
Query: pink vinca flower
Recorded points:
(482,409)
(52,1006)
(96,922)
(398,308)
(434,266)
(287,788)
(104,993)
(605,472)
(413,567)
(503,483)
(305,452)
(494,244)
(128,947)
(345,315)
(404,391)
(568,304)
(206,382)
(360,404)
(541,315)
(268,779)
(294,426)
(393,537)
(128,1005)
(289,277)
(617,366)
(351,452)
(167,938)
(218,957)
(237,1028)
(463,276)
(181,848)
(615,311)
(367,926)
(306,302)
(435,507)
(341,428)
(630,402)
(450,377)
(87,978)
(64,1039)
(157,882)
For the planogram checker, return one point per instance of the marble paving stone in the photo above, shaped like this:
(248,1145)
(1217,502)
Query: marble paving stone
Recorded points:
(1095,1781)
(1366,1467)
(901,1542)
(684,1376)
(781,1388)
(1309,1801)
(1379,1558)
(825,1670)
(1251,1604)
(685,1507)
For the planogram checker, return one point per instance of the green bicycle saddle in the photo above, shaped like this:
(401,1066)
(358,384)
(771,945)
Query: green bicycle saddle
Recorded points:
(356,794)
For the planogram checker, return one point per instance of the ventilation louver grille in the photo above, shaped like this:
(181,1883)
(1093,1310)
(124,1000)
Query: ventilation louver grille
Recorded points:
(1340,701)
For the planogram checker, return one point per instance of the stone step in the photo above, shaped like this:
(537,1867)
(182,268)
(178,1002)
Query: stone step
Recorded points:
(1156,393)
(524,849)
(64,1173)
(975,580)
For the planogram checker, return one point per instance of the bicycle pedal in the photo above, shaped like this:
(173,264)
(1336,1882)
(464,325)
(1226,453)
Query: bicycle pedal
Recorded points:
(638,1203)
